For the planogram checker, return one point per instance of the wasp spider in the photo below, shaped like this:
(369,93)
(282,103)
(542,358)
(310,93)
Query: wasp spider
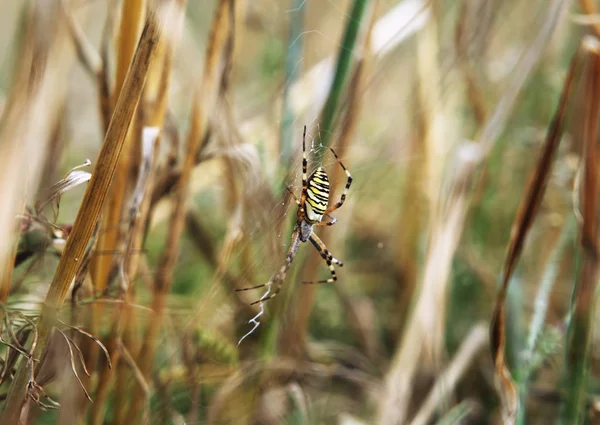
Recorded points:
(312,207)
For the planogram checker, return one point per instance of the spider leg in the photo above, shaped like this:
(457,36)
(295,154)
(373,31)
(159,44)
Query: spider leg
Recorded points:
(325,250)
(329,259)
(348,183)
(289,189)
(279,278)
(327,223)
(304,171)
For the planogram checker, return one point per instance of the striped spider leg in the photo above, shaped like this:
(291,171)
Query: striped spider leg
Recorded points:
(312,207)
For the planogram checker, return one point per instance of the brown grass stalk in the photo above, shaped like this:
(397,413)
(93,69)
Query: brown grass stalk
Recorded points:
(97,66)
(410,225)
(105,104)
(528,208)
(417,353)
(471,38)
(155,100)
(421,346)
(132,20)
(130,25)
(35,97)
(581,327)
(124,320)
(95,63)
(589,8)
(393,407)
(216,68)
(423,175)
(89,211)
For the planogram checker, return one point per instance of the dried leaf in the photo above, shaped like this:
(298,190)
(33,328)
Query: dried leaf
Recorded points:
(74,178)
(93,338)
(73,367)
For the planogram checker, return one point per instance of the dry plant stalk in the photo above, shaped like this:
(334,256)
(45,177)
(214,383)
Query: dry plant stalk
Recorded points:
(155,104)
(95,63)
(581,326)
(470,40)
(36,96)
(528,208)
(421,346)
(132,19)
(98,68)
(393,407)
(89,211)
(155,99)
(105,103)
(412,349)
(589,8)
(216,68)
(446,382)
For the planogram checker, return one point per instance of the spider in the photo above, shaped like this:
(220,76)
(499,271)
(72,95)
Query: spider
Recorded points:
(312,207)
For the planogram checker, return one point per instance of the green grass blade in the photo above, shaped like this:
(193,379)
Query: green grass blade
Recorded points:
(542,300)
(458,414)
(292,72)
(342,69)
(578,348)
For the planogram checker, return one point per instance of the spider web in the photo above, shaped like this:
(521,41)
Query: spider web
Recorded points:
(319,40)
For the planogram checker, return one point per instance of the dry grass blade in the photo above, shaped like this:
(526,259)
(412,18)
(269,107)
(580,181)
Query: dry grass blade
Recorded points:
(96,64)
(122,335)
(86,52)
(105,167)
(14,347)
(73,366)
(136,221)
(12,356)
(93,338)
(83,272)
(80,354)
(530,58)
(102,78)
(92,203)
(217,66)
(589,8)
(155,101)
(473,344)
(73,179)
(414,348)
(137,373)
(132,18)
(6,271)
(581,324)
(35,96)
(526,213)
(154,106)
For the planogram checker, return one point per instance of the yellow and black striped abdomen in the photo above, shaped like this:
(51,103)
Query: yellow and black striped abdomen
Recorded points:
(317,195)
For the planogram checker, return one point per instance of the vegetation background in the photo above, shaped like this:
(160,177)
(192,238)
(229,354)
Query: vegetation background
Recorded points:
(118,289)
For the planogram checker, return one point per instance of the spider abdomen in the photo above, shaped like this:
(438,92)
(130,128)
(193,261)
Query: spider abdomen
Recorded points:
(317,195)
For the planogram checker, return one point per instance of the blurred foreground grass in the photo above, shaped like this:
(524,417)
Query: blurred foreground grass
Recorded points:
(439,110)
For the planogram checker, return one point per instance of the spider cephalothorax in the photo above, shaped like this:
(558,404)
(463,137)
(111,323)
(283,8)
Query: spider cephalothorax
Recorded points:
(312,207)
